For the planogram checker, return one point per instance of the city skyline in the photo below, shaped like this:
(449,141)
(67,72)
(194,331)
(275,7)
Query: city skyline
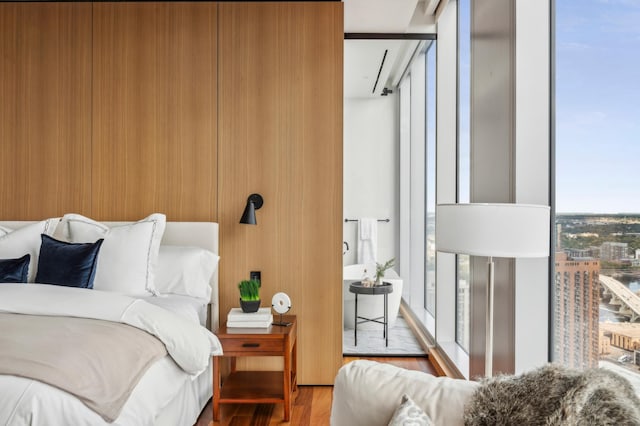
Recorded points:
(597,113)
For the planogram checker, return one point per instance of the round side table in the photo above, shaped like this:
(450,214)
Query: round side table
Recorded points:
(383,289)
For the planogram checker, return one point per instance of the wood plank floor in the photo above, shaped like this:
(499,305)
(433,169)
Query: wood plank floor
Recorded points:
(311,404)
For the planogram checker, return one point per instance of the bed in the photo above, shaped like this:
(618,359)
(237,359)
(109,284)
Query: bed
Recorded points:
(174,386)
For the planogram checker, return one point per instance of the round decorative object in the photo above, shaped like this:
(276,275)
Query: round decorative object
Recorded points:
(281,303)
(249,306)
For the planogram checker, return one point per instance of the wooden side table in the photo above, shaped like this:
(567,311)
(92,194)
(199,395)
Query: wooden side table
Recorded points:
(252,387)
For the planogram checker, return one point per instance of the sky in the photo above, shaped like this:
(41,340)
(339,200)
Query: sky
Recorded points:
(598,106)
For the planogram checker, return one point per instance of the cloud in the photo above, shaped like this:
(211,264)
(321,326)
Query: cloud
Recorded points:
(573,46)
(581,119)
(632,3)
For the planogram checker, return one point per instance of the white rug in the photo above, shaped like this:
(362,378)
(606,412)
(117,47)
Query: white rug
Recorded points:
(371,342)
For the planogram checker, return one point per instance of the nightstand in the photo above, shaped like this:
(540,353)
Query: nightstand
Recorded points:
(255,387)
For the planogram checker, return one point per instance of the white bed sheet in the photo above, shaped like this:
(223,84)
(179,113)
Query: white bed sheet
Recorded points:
(190,345)
(186,406)
(191,308)
(34,403)
(30,402)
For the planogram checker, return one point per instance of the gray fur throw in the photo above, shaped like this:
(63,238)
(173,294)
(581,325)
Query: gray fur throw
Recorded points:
(554,395)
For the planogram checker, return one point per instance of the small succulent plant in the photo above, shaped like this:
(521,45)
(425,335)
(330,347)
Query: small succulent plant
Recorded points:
(249,290)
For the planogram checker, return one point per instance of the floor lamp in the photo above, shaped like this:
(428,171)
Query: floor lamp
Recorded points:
(493,230)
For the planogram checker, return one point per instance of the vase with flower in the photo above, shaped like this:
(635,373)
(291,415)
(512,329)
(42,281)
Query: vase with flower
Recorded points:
(381,268)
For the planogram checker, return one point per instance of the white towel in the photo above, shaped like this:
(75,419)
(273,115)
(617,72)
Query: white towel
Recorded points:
(367,240)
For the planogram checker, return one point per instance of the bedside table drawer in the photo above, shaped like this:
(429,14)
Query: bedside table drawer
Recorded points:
(252,345)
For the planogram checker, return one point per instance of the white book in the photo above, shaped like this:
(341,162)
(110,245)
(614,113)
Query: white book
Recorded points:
(236,315)
(249,324)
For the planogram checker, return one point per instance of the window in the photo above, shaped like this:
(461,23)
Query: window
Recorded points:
(456,338)
(430,274)
(417,182)
(464,166)
(596,123)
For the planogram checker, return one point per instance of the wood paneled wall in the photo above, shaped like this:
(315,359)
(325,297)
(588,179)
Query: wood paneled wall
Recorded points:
(280,135)
(108,110)
(154,110)
(117,110)
(45,109)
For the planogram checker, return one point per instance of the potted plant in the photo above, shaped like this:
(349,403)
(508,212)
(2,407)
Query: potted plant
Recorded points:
(381,268)
(249,295)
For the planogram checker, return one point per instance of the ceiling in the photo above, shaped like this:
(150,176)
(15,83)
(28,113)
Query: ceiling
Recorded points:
(365,70)
(390,16)
(363,59)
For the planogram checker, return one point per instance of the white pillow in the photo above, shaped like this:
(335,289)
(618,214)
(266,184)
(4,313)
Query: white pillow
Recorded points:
(15,243)
(128,256)
(409,414)
(186,271)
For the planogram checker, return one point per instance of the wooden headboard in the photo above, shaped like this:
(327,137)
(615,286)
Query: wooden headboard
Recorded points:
(196,234)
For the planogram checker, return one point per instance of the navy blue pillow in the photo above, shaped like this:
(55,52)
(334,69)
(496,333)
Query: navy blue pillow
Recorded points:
(67,264)
(14,270)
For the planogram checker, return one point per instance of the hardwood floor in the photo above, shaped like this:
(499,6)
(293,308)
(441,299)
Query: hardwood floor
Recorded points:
(311,404)
(410,363)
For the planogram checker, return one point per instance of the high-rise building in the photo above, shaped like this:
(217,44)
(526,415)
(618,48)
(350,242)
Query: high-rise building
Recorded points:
(612,251)
(462,313)
(577,298)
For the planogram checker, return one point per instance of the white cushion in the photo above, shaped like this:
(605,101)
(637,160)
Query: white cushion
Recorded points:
(186,271)
(128,256)
(367,393)
(15,243)
(409,414)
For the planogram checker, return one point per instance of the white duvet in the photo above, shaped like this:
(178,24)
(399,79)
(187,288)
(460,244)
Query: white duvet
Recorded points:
(190,346)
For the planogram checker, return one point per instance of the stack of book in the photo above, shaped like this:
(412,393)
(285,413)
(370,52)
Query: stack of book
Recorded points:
(238,319)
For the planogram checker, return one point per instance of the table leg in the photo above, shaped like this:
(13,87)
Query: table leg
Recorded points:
(294,365)
(384,316)
(216,388)
(386,320)
(355,324)
(287,380)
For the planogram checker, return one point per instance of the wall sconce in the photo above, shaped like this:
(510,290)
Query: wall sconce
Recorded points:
(254,202)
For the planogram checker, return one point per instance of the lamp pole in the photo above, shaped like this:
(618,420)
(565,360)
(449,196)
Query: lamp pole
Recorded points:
(488,360)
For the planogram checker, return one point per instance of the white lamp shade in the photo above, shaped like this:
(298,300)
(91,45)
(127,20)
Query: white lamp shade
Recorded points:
(498,230)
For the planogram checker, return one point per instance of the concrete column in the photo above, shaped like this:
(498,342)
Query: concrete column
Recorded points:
(510,152)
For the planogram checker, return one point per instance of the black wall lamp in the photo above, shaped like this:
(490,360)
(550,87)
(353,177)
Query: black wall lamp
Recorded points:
(254,202)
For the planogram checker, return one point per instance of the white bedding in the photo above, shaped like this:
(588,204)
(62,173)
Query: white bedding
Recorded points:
(192,308)
(185,408)
(28,402)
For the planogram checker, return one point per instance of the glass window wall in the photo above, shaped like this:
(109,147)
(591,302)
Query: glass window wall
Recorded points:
(597,248)
(464,165)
